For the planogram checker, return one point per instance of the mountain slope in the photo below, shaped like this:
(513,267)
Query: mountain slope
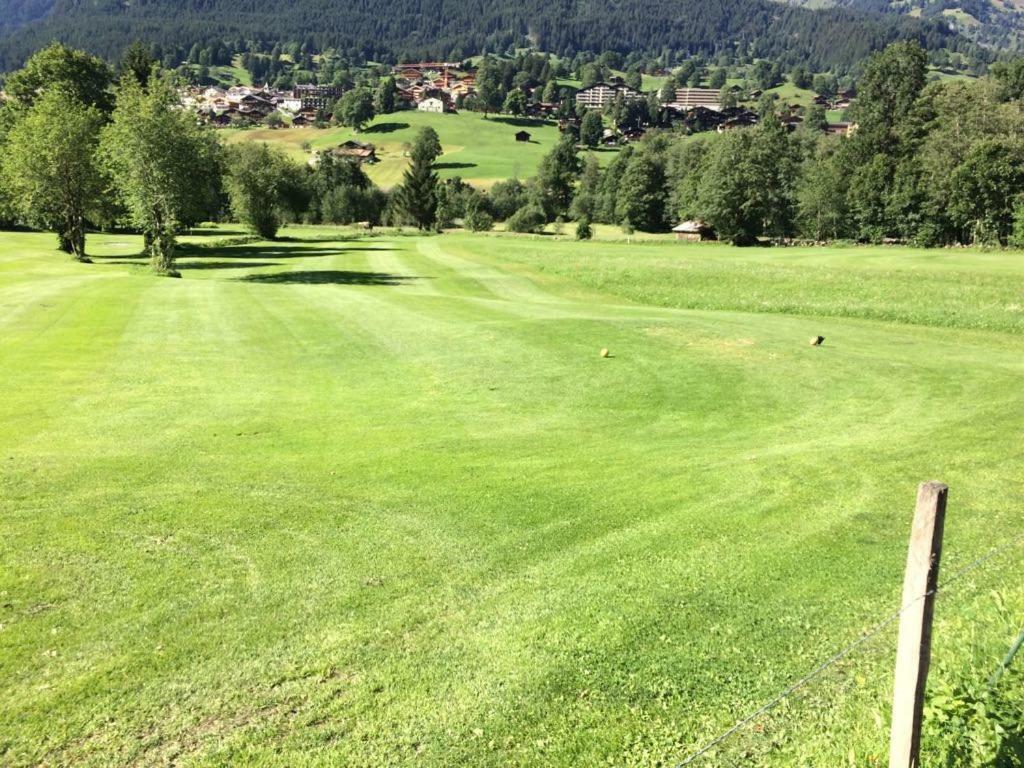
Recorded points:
(998,23)
(372,29)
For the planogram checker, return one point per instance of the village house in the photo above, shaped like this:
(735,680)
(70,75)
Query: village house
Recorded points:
(432,104)
(841,129)
(357,151)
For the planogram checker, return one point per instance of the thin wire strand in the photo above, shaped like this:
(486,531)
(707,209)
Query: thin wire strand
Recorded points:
(836,657)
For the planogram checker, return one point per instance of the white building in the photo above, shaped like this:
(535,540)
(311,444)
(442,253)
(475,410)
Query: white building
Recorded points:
(431,104)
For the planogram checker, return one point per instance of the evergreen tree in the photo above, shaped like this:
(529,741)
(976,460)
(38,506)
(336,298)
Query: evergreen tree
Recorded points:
(137,60)
(416,198)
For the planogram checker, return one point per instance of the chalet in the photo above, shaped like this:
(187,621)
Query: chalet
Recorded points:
(841,129)
(357,151)
(433,104)
(689,98)
(522,136)
(600,95)
(743,120)
(693,231)
(791,122)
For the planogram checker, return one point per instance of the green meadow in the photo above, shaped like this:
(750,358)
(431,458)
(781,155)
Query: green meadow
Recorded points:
(481,150)
(371,500)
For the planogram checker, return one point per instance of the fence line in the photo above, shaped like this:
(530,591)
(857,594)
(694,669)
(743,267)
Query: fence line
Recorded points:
(843,653)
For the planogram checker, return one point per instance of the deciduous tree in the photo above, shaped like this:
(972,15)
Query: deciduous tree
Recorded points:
(50,169)
(165,168)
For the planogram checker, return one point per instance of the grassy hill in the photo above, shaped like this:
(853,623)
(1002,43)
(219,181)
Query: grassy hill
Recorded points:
(480,150)
(344,500)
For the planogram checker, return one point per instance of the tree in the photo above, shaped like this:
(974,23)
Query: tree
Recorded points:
(893,79)
(489,89)
(815,119)
(165,169)
(529,218)
(668,92)
(718,79)
(641,194)
(590,74)
(515,102)
(747,188)
(137,60)
(507,197)
(550,95)
(821,200)
(556,177)
(591,129)
(801,78)
(80,76)
(50,166)
(584,230)
(988,186)
(1010,77)
(426,145)
(354,109)
(384,96)
(257,183)
(477,219)
(416,198)
(634,80)
(585,201)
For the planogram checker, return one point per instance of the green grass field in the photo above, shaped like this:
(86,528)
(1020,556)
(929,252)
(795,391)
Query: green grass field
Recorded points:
(377,500)
(478,149)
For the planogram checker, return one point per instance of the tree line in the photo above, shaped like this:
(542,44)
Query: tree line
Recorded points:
(84,146)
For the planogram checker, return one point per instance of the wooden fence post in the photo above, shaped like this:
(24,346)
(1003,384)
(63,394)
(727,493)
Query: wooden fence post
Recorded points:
(913,652)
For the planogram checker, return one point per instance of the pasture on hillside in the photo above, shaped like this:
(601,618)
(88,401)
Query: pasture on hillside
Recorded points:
(346,499)
(480,150)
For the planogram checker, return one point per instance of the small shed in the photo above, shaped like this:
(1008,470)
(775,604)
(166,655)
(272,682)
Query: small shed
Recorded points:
(522,136)
(693,231)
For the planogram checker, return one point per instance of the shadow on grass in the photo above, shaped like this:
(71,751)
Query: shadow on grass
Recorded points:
(267,250)
(226,264)
(386,128)
(523,122)
(202,232)
(330,277)
(449,166)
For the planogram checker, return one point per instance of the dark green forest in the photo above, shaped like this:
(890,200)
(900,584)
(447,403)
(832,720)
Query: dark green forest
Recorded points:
(365,30)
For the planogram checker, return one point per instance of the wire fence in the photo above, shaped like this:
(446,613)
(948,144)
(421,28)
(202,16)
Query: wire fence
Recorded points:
(870,636)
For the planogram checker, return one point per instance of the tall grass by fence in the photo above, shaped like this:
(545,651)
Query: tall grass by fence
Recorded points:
(763,731)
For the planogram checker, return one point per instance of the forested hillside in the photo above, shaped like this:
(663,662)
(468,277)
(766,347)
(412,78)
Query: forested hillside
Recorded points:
(992,22)
(369,29)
